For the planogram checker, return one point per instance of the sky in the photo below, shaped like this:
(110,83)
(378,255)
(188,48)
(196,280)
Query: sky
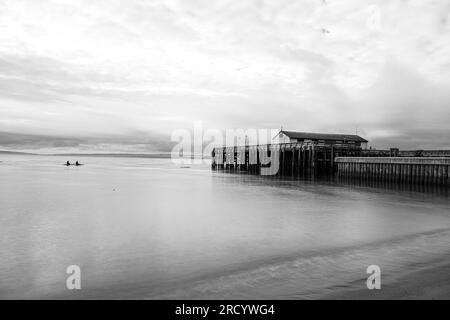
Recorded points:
(123,75)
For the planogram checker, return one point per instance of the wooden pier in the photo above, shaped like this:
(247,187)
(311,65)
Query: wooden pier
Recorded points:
(414,170)
(343,161)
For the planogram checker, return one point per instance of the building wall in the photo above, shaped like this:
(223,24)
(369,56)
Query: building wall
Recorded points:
(282,138)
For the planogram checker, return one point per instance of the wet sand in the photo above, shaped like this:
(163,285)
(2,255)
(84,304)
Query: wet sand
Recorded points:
(428,283)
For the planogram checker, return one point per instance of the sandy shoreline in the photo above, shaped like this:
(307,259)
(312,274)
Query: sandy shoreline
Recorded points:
(428,283)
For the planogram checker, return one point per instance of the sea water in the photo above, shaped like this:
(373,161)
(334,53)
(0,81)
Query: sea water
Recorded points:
(148,228)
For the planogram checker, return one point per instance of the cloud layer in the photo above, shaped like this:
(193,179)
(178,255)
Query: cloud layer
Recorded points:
(128,70)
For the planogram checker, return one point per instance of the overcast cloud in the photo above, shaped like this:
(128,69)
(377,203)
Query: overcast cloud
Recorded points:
(82,74)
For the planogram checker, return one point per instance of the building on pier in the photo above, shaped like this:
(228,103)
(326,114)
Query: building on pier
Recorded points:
(349,140)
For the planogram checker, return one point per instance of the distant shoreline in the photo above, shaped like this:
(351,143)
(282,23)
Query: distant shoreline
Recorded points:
(16,152)
(116,155)
(106,155)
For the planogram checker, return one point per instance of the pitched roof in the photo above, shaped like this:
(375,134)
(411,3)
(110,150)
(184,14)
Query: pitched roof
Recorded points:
(322,136)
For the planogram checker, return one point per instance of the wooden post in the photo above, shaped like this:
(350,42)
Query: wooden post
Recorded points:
(332,160)
(292,161)
(447,175)
(304,160)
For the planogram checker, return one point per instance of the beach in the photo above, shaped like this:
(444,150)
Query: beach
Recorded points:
(427,283)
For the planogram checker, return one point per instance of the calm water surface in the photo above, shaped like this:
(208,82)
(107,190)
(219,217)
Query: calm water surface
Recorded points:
(146,228)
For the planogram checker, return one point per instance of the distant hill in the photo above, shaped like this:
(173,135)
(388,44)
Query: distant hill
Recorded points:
(15,152)
(116,155)
(113,155)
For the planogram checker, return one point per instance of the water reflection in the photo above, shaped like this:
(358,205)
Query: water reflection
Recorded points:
(309,178)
